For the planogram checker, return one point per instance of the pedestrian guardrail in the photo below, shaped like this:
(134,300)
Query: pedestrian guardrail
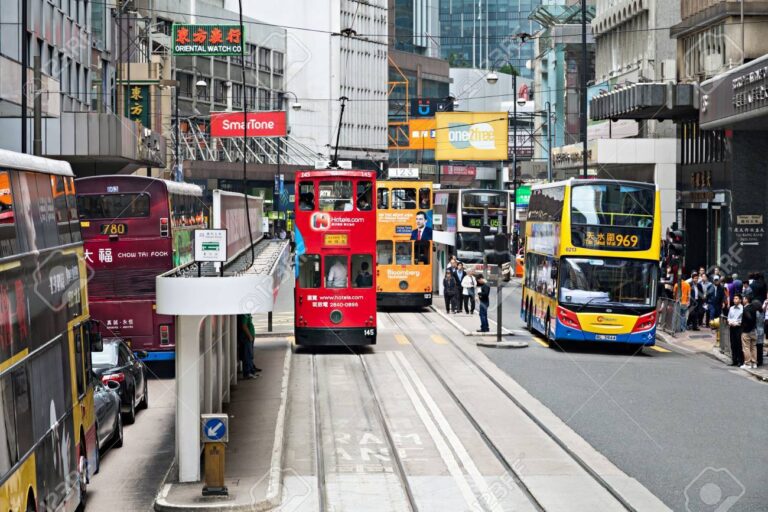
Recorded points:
(669,315)
(725,336)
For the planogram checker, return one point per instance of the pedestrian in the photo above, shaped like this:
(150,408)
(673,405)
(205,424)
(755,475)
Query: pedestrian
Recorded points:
(452,264)
(759,287)
(709,297)
(719,297)
(685,302)
(483,295)
(749,331)
(738,285)
(668,280)
(734,323)
(450,290)
(468,287)
(697,303)
(246,333)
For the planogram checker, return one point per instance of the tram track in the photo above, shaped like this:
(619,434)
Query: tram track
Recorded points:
(478,428)
(378,412)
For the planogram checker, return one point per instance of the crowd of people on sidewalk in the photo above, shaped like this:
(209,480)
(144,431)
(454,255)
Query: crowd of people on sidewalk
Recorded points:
(461,291)
(705,296)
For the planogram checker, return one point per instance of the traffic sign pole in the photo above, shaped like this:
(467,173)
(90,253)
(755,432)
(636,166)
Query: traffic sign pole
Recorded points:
(215,434)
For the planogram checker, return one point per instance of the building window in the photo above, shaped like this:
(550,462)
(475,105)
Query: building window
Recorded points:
(237,95)
(220,91)
(277,61)
(185,84)
(263,99)
(265,56)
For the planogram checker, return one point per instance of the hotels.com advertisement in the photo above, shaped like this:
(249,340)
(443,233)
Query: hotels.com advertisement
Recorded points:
(260,124)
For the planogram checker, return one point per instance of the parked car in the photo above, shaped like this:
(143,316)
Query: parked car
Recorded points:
(118,364)
(109,422)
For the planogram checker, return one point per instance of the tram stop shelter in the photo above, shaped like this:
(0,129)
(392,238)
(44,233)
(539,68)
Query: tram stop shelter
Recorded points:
(206,302)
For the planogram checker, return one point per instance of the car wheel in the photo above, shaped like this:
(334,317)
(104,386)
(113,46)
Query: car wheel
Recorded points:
(145,399)
(117,435)
(130,416)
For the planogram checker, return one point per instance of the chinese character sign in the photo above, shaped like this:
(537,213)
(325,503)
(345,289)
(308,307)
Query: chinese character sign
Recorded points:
(137,103)
(221,40)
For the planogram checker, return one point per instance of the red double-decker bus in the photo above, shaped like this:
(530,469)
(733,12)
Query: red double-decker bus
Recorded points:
(135,228)
(335,235)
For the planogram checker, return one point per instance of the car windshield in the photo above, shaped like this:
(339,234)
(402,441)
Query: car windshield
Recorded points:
(107,358)
(607,280)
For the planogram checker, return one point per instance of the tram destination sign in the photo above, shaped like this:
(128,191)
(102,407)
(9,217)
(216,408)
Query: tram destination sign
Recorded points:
(194,39)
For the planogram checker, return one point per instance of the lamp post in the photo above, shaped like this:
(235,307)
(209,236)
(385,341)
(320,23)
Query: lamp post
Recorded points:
(549,140)
(296,107)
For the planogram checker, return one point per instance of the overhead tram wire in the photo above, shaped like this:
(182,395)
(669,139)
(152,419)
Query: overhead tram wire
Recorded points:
(245,134)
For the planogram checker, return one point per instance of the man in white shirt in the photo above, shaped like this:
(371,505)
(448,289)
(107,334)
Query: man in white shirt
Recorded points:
(337,275)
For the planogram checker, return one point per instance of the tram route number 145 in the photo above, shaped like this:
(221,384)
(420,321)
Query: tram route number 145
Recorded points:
(369,332)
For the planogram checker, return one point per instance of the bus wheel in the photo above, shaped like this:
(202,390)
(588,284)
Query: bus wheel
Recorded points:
(528,317)
(31,507)
(82,469)
(547,337)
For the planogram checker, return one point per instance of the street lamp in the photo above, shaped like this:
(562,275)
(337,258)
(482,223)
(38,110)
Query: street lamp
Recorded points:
(295,107)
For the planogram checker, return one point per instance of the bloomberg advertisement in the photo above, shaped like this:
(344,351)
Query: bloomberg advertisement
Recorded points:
(259,124)
(471,136)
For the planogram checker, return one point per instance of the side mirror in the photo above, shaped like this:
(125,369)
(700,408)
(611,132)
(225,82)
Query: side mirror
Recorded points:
(113,385)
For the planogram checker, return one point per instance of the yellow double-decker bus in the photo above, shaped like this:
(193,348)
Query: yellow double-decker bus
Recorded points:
(48,446)
(591,261)
(404,243)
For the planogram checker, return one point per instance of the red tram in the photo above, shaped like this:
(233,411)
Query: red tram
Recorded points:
(335,235)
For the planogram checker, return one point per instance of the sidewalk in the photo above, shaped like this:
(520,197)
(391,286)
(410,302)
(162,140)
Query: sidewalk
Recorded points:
(705,342)
(469,324)
(254,457)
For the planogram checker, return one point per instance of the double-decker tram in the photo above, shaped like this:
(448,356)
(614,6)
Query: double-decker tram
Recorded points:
(591,261)
(335,235)
(135,228)
(48,443)
(404,243)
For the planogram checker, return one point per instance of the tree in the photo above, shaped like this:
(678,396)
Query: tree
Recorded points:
(509,69)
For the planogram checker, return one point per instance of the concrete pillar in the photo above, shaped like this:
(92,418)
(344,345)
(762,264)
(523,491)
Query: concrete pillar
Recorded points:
(220,363)
(233,353)
(226,375)
(188,397)
(208,366)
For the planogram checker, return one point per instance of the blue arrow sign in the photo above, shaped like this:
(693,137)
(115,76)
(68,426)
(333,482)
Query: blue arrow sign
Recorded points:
(214,429)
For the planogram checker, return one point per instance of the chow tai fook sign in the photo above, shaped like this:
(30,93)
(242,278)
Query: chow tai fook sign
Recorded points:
(471,136)
(259,124)
(223,40)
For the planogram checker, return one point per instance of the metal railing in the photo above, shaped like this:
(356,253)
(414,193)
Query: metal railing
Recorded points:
(669,315)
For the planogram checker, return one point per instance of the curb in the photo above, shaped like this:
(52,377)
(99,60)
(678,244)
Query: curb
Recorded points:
(714,354)
(463,330)
(275,485)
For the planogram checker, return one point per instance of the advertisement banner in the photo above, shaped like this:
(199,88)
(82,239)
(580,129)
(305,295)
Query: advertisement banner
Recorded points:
(222,40)
(471,136)
(421,133)
(260,124)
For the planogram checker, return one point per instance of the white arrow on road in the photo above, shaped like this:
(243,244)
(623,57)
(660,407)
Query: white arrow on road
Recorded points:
(212,432)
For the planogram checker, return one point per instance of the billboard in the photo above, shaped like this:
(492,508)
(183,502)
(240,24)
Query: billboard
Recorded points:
(221,40)
(421,133)
(471,136)
(260,124)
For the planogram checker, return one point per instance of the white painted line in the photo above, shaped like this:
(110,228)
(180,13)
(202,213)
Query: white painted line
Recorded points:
(275,486)
(451,436)
(434,432)
(165,491)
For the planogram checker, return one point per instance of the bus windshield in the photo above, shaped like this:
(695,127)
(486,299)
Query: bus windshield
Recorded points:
(473,206)
(113,206)
(598,281)
(612,216)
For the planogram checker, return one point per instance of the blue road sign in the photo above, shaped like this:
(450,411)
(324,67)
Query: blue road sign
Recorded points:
(214,429)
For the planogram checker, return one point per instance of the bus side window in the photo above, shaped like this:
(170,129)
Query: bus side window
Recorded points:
(23,408)
(421,252)
(8,447)
(382,198)
(361,267)
(364,195)
(8,241)
(307,196)
(383,251)
(424,198)
(309,271)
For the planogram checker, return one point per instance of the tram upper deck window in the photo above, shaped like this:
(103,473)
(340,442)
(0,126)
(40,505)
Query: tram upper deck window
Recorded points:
(425,198)
(309,271)
(384,252)
(404,198)
(307,196)
(364,195)
(361,266)
(382,198)
(335,196)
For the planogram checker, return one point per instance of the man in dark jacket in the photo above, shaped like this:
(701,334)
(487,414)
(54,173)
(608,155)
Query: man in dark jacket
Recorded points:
(483,295)
(450,290)
(718,300)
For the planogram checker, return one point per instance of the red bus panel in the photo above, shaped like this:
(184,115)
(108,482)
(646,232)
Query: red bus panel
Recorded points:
(335,234)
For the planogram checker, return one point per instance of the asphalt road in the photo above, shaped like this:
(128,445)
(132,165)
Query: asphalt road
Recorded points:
(130,477)
(689,428)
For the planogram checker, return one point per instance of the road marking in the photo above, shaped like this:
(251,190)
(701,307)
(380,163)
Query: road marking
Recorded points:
(660,349)
(541,341)
(452,438)
(436,338)
(402,339)
(442,447)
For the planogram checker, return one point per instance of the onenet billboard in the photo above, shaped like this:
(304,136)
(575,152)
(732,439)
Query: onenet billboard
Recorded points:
(471,136)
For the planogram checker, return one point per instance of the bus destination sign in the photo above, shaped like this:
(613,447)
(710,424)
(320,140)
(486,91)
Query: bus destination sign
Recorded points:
(614,239)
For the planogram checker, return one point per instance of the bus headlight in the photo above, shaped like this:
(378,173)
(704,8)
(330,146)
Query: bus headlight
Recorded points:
(336,316)
(403,285)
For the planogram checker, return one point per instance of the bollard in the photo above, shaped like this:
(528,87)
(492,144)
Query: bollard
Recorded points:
(215,434)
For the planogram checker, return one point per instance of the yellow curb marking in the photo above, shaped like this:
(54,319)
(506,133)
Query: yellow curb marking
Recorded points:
(436,338)
(402,339)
